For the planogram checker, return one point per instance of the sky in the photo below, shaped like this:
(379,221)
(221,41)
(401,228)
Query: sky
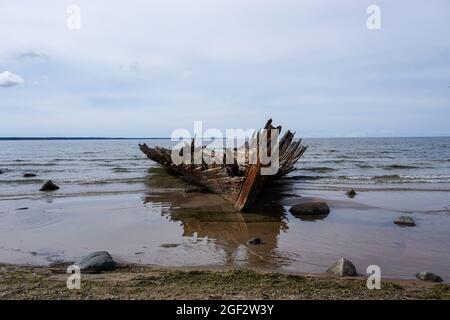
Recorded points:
(145,68)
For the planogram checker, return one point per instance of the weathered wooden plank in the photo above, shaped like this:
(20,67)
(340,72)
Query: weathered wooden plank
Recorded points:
(241,181)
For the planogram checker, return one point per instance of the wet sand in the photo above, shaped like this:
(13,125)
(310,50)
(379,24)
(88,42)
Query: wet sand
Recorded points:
(166,227)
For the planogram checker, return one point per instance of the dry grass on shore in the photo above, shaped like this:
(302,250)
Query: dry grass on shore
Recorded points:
(145,282)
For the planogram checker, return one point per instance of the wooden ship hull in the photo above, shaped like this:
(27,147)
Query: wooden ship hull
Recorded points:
(241,181)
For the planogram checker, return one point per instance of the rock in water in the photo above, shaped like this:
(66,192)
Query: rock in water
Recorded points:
(405,221)
(49,186)
(343,268)
(351,193)
(310,208)
(254,241)
(1,171)
(428,276)
(29,175)
(96,262)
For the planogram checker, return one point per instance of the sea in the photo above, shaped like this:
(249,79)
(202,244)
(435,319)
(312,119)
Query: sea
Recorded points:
(112,197)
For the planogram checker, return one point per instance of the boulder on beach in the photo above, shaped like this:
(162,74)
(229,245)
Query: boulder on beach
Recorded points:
(351,193)
(311,208)
(343,268)
(254,241)
(96,262)
(49,186)
(428,276)
(29,175)
(405,221)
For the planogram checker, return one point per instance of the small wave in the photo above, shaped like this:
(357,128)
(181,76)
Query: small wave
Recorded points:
(120,170)
(383,178)
(108,160)
(346,160)
(30,164)
(400,166)
(129,180)
(364,166)
(394,178)
(109,181)
(22,181)
(319,169)
(304,178)
(65,159)
(337,161)
(388,177)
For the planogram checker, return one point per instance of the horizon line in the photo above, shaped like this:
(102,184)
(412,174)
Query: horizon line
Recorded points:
(169,138)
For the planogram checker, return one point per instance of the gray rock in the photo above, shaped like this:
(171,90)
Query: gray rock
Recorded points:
(343,268)
(254,241)
(310,208)
(428,276)
(29,175)
(49,186)
(96,262)
(351,193)
(312,218)
(20,209)
(405,221)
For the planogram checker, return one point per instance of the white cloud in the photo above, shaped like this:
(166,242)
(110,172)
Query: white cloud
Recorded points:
(9,79)
(300,62)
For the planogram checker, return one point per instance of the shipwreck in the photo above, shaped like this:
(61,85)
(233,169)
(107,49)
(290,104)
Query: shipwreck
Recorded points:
(239,177)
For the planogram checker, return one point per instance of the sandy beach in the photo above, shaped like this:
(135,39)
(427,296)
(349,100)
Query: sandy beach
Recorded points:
(146,218)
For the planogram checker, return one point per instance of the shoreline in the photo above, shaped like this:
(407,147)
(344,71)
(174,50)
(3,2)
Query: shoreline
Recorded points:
(132,281)
(201,234)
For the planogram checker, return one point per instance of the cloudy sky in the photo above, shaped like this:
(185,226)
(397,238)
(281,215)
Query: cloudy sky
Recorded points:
(143,68)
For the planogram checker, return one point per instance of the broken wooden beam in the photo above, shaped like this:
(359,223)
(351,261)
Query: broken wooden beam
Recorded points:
(241,181)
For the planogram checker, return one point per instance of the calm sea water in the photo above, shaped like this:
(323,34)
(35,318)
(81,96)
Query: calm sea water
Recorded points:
(113,198)
(114,166)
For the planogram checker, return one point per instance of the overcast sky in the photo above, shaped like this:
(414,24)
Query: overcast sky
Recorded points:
(144,68)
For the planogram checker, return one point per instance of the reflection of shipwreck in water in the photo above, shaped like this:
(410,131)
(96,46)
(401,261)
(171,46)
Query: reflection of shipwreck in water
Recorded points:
(209,217)
(239,180)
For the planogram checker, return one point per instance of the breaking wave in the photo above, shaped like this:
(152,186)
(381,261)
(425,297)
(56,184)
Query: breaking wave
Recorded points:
(319,169)
(400,166)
